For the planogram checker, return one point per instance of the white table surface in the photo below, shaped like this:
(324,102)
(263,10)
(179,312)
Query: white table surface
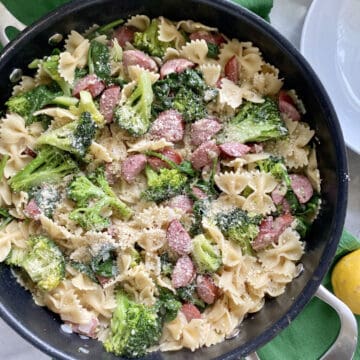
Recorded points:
(287,16)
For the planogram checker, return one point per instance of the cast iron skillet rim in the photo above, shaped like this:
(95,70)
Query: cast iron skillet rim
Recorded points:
(341,171)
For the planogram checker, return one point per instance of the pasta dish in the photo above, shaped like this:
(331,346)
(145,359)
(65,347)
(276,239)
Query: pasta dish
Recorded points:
(158,182)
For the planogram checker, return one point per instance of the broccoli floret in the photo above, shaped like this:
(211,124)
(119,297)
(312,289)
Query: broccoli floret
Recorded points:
(104,262)
(254,122)
(42,260)
(26,103)
(200,209)
(50,166)
(304,213)
(213,50)
(93,196)
(276,167)
(163,185)
(149,42)
(205,254)
(190,105)
(16,256)
(168,305)
(133,329)
(84,269)
(134,115)
(238,226)
(87,104)
(188,294)
(74,137)
(99,60)
(167,266)
(51,66)
(5,218)
(185,92)
(46,198)
(65,101)
(185,166)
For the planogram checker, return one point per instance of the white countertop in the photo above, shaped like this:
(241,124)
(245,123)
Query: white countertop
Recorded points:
(287,16)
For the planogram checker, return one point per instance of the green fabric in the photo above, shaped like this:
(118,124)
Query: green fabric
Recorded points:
(315,329)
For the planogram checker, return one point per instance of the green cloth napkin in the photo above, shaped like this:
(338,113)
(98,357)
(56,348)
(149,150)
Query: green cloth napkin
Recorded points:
(315,329)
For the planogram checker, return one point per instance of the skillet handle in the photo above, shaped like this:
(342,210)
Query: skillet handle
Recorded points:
(8,19)
(344,346)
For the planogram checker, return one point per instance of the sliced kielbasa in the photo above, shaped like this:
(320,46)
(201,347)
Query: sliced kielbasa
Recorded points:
(178,238)
(29,152)
(90,83)
(132,166)
(175,66)
(232,69)
(168,125)
(302,187)
(190,311)
(213,38)
(287,106)
(278,194)
(168,152)
(183,273)
(32,210)
(137,57)
(124,34)
(270,230)
(234,149)
(204,154)
(182,202)
(203,130)
(108,101)
(198,193)
(256,148)
(206,289)
(89,329)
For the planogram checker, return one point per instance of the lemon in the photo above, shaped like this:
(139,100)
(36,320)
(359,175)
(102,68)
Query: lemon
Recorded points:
(345,280)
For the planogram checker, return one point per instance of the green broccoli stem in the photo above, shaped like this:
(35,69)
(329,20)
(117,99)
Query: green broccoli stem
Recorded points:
(34,64)
(181,168)
(3,162)
(162,157)
(5,218)
(65,101)
(212,176)
(49,166)
(103,29)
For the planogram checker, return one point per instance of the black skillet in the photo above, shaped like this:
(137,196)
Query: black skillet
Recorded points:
(42,328)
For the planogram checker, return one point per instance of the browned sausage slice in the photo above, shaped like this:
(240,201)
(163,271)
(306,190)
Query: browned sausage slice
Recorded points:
(175,66)
(108,100)
(182,202)
(178,238)
(124,34)
(234,149)
(204,154)
(232,69)
(132,166)
(302,187)
(90,83)
(206,289)
(270,230)
(137,57)
(203,130)
(168,125)
(287,106)
(184,272)
(168,152)
(190,311)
